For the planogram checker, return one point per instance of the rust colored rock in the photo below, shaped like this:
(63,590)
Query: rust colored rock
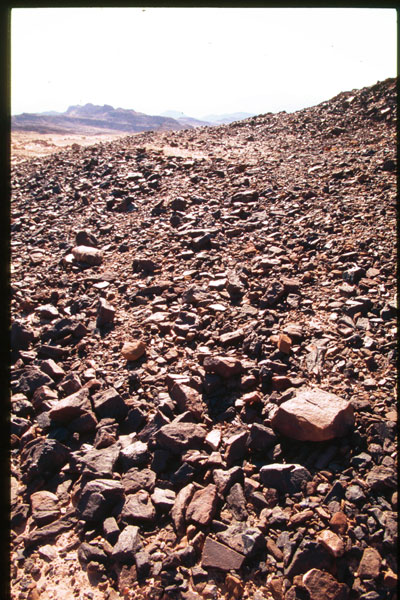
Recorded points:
(338,522)
(370,564)
(202,506)
(219,556)
(332,543)
(87,254)
(314,415)
(321,584)
(188,398)
(284,343)
(71,407)
(179,509)
(225,366)
(133,350)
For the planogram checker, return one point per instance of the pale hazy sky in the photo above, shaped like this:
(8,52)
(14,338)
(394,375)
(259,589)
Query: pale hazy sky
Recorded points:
(196,60)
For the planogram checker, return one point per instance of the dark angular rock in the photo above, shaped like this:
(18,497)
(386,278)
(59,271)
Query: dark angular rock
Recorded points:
(129,541)
(42,457)
(261,438)
(310,555)
(109,404)
(138,508)
(136,479)
(31,379)
(236,501)
(21,336)
(218,556)
(178,437)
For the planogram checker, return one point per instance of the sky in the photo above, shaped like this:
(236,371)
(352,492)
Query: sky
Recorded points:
(196,60)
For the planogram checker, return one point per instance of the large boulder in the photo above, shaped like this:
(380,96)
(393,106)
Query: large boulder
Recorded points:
(314,415)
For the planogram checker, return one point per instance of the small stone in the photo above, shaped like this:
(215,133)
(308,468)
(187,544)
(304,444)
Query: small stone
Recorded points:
(178,437)
(381,478)
(134,455)
(85,238)
(71,407)
(284,343)
(109,403)
(236,502)
(45,508)
(390,579)
(21,336)
(188,398)
(133,350)
(243,539)
(163,499)
(105,313)
(181,503)
(213,438)
(53,369)
(234,585)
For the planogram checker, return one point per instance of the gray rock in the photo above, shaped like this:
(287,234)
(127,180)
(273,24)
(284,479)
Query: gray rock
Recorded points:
(136,479)
(128,543)
(286,478)
(138,507)
(225,479)
(236,501)
(31,379)
(134,455)
(243,539)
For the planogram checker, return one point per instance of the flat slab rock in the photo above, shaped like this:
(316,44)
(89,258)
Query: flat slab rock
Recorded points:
(314,415)
(219,556)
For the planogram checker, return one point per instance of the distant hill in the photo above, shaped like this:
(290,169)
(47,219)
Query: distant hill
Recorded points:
(185,120)
(227,118)
(92,119)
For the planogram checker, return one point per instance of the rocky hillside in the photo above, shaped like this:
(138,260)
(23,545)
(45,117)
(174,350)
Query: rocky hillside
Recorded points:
(92,119)
(203,361)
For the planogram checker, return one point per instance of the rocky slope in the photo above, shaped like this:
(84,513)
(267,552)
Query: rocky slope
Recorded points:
(203,361)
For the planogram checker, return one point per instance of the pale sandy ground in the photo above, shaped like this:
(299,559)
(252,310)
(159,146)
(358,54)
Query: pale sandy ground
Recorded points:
(26,145)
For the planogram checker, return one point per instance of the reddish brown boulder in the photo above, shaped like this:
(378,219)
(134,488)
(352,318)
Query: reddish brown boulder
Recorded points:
(314,415)
(133,350)
(321,584)
(87,254)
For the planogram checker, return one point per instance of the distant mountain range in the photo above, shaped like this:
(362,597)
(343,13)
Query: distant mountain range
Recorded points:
(208,119)
(92,119)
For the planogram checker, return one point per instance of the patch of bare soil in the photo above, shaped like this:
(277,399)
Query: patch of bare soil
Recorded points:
(26,145)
